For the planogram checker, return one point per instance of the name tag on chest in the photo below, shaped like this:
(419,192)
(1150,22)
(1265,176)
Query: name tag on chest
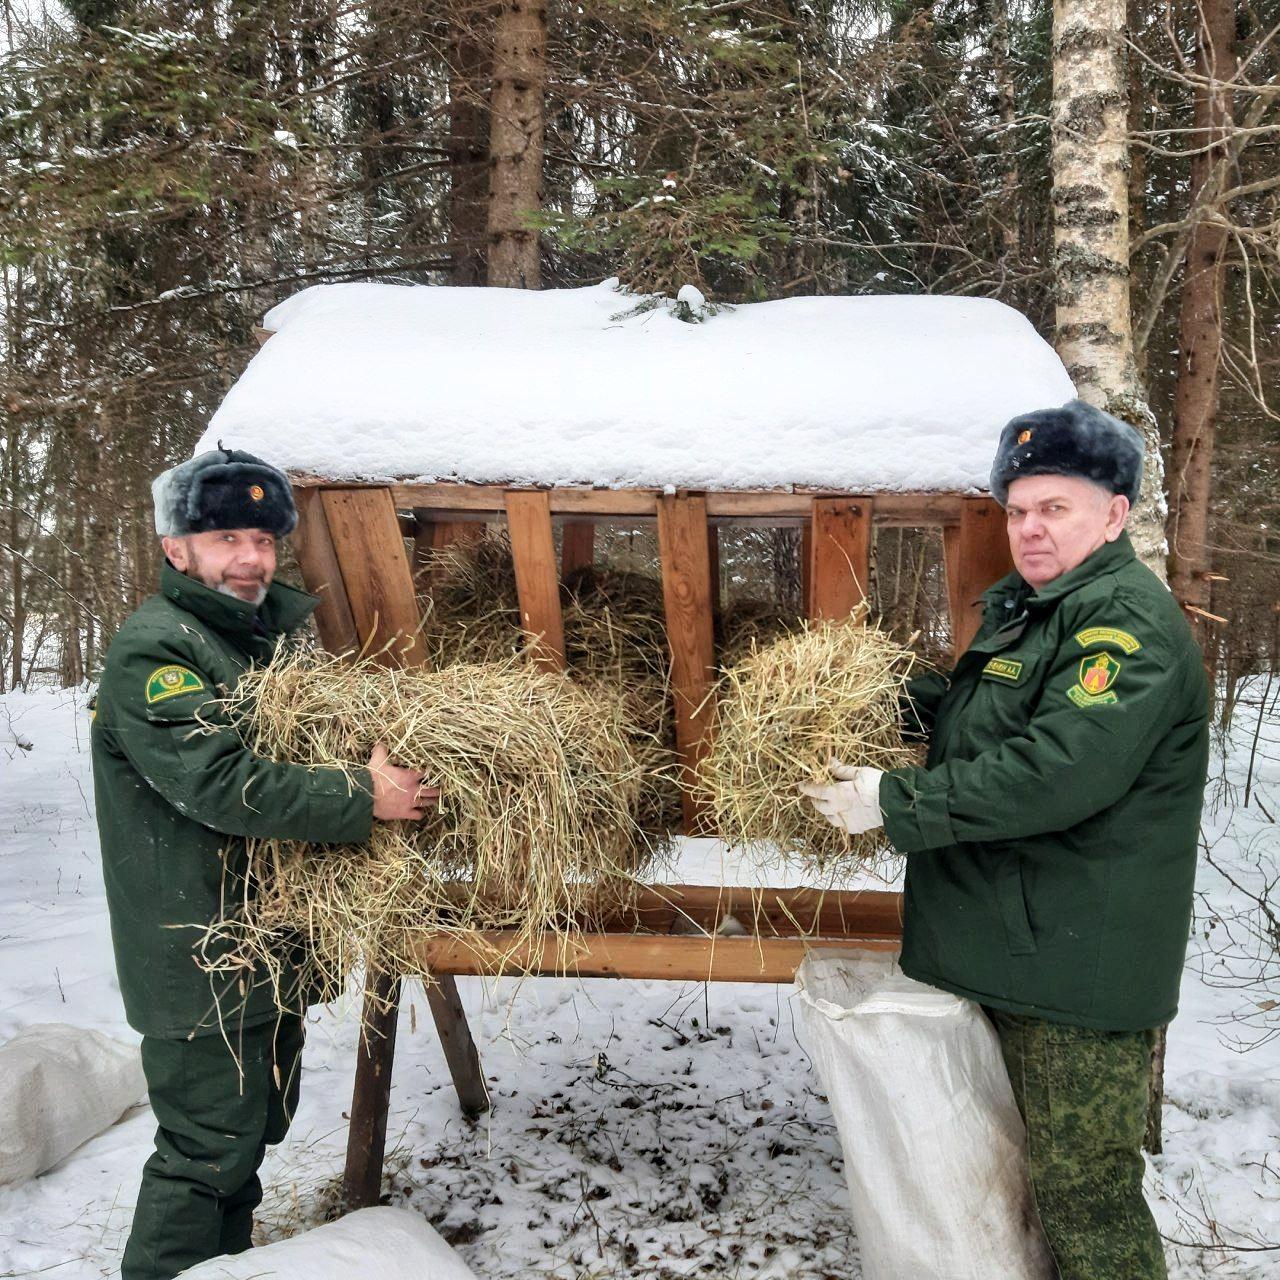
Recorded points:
(1005,670)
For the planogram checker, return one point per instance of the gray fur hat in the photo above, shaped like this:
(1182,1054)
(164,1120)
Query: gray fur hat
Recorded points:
(223,489)
(1076,439)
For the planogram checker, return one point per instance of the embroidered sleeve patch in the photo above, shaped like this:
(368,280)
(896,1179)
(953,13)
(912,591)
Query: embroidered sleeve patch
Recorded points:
(168,682)
(1003,669)
(1105,635)
(1094,680)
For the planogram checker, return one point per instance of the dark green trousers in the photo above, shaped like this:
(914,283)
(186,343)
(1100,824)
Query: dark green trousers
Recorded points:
(1083,1096)
(218,1107)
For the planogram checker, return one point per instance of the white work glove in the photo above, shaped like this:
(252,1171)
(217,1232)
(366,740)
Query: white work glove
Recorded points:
(851,802)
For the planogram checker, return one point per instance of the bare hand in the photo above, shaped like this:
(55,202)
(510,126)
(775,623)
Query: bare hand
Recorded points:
(398,793)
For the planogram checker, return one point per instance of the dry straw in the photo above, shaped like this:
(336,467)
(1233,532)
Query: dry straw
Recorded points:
(831,689)
(535,833)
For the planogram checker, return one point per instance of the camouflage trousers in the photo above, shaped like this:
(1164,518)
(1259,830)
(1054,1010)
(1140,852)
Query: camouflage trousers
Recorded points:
(1083,1096)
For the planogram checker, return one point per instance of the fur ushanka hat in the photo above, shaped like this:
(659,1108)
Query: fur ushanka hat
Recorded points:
(1073,440)
(223,489)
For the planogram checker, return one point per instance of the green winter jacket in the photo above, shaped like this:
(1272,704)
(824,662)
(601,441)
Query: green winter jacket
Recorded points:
(176,798)
(1051,836)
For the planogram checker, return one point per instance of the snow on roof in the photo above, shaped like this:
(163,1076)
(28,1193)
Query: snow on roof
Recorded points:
(568,386)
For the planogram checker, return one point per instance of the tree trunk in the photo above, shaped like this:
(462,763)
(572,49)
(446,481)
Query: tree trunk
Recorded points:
(1091,235)
(516,130)
(467,144)
(1200,328)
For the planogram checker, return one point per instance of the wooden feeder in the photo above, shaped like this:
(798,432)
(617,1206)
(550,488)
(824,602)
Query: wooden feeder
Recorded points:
(357,543)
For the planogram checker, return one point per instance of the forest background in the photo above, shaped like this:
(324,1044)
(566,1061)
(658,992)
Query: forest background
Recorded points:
(171,170)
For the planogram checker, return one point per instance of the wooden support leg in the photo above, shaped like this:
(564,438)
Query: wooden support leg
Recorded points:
(459,1048)
(367,1136)
(578,546)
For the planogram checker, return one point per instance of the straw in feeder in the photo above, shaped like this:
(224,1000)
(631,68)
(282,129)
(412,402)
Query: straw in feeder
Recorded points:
(535,833)
(831,689)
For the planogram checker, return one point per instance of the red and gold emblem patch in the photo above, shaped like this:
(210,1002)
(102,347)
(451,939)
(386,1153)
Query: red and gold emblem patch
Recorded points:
(1024,437)
(256,492)
(1094,680)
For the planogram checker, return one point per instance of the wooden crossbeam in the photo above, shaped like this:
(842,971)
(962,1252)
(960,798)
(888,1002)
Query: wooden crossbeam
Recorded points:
(840,556)
(616,955)
(533,549)
(686,590)
(976,553)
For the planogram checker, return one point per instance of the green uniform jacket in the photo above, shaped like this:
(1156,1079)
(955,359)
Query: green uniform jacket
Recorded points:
(177,798)
(1051,837)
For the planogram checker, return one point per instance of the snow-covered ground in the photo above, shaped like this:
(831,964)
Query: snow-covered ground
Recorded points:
(645,1129)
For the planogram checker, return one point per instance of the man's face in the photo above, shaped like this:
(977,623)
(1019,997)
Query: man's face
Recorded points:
(237,562)
(1058,522)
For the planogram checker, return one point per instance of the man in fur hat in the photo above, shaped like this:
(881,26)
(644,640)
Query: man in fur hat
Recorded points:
(177,795)
(1051,834)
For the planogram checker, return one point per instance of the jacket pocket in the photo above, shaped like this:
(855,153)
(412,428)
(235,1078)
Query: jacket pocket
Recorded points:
(1011,899)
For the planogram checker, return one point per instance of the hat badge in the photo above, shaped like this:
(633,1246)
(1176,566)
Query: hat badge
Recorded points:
(1024,437)
(256,492)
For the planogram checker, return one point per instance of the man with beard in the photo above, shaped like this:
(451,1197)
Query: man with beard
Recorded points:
(178,794)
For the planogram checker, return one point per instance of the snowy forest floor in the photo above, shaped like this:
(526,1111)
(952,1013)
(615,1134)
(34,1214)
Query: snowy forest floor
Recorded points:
(640,1128)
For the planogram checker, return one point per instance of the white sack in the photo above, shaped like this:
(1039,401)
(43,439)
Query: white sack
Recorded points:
(934,1147)
(59,1087)
(373,1244)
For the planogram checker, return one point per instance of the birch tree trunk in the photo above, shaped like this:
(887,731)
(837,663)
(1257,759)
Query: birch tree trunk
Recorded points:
(516,131)
(1094,333)
(1091,268)
(1200,327)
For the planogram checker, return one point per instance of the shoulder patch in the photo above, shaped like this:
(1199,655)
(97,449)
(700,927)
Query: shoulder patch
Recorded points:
(168,682)
(1107,635)
(1094,680)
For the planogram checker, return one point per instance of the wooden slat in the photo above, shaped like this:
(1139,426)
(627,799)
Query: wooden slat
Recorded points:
(713,559)
(678,959)
(313,547)
(908,509)
(375,570)
(769,912)
(578,546)
(977,554)
(840,556)
(537,580)
(686,591)
(371,1097)
(436,535)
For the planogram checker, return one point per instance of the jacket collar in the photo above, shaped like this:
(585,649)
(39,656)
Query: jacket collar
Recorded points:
(1107,559)
(285,608)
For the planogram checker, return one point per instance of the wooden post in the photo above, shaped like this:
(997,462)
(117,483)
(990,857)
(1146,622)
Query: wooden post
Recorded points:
(578,546)
(686,589)
(840,556)
(375,569)
(321,575)
(371,1098)
(379,590)
(713,558)
(977,554)
(806,568)
(537,580)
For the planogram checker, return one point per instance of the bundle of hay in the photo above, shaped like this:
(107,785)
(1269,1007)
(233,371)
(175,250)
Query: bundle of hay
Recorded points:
(615,642)
(831,689)
(535,831)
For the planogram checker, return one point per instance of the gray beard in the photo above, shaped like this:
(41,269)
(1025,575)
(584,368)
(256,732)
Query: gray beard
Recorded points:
(256,601)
